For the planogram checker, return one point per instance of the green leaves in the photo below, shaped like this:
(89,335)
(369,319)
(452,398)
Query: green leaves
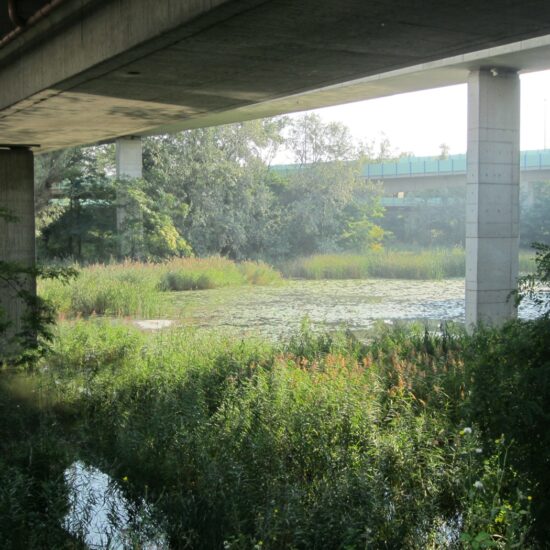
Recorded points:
(29,341)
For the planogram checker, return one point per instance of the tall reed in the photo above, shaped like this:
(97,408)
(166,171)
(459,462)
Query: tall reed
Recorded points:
(133,288)
(426,264)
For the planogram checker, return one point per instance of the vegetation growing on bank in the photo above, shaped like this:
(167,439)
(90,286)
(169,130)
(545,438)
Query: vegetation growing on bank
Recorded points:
(391,264)
(415,440)
(436,263)
(133,288)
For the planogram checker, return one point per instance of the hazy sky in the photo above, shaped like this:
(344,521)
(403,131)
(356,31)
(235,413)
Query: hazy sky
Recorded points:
(420,121)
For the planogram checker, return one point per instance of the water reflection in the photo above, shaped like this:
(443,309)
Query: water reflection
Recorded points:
(101,516)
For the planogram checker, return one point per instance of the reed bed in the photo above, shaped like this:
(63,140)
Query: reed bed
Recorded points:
(134,288)
(389,264)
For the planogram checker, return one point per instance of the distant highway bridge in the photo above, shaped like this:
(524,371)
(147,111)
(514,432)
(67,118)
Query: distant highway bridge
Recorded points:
(412,174)
(415,174)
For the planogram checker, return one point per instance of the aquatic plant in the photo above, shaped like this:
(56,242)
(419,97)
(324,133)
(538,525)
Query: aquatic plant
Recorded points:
(133,288)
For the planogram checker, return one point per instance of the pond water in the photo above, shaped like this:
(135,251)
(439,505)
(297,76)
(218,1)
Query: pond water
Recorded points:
(276,311)
(103,518)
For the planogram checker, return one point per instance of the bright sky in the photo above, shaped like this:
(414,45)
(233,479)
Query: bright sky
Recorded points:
(419,122)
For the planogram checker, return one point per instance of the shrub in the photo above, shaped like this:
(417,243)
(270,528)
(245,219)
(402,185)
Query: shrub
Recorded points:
(510,393)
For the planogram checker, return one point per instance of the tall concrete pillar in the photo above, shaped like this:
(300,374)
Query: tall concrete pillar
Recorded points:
(492,200)
(129,165)
(17,240)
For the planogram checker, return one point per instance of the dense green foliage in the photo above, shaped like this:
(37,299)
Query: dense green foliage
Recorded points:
(75,202)
(211,192)
(510,392)
(412,440)
(34,451)
(29,338)
(415,440)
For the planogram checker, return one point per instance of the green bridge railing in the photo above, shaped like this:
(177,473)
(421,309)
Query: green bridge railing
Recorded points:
(454,164)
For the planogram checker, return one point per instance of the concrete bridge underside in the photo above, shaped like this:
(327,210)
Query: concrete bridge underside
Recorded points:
(87,71)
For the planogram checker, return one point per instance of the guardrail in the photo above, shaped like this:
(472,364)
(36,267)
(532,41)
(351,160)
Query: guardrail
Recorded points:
(454,164)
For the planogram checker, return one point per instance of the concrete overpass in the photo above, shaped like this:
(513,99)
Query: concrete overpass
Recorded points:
(85,71)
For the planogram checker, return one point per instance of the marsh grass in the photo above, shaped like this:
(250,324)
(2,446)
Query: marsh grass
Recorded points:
(215,272)
(133,288)
(388,264)
(392,264)
(317,442)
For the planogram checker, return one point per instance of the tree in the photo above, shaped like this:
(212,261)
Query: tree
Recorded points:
(328,205)
(212,191)
(220,177)
(74,186)
(149,226)
(313,141)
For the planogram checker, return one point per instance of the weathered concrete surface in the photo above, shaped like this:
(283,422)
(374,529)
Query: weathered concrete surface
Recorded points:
(99,69)
(129,164)
(492,196)
(16,237)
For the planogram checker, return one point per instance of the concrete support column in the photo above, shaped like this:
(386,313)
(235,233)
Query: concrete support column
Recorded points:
(492,196)
(129,165)
(17,239)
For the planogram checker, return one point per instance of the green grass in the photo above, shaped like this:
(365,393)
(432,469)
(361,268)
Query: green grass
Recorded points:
(319,442)
(134,288)
(388,264)
(392,264)
(215,272)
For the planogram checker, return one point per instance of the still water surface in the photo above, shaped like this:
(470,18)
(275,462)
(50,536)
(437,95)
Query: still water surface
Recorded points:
(276,311)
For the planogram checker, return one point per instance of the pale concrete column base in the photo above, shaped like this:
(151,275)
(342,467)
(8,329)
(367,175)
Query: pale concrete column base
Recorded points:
(129,165)
(17,239)
(492,196)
